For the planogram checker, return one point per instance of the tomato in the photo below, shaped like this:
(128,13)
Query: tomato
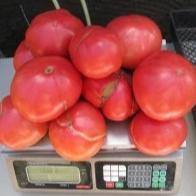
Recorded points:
(45,87)
(113,94)
(50,32)
(139,35)
(164,86)
(79,133)
(22,55)
(155,137)
(96,52)
(15,131)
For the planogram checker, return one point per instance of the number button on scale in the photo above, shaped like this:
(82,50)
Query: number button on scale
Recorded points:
(109,185)
(106,173)
(159,176)
(114,175)
(139,176)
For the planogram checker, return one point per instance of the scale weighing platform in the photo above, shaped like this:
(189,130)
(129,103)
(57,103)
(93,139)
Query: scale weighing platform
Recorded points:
(117,169)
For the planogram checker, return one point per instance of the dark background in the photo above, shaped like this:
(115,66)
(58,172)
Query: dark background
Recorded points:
(13,23)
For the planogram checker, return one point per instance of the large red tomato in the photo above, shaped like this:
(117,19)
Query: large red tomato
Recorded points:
(139,35)
(22,55)
(155,137)
(113,94)
(15,131)
(96,52)
(165,86)
(79,133)
(45,87)
(50,32)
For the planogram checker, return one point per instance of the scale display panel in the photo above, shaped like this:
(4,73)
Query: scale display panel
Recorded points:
(53,174)
(35,175)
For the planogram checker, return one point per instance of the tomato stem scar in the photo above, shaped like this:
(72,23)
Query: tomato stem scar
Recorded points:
(49,69)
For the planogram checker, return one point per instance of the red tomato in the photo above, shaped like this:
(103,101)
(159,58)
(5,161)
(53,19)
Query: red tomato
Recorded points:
(15,131)
(22,55)
(51,32)
(79,133)
(155,137)
(45,87)
(96,52)
(113,94)
(139,35)
(165,86)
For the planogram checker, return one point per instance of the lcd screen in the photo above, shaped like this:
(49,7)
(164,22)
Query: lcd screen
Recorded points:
(53,174)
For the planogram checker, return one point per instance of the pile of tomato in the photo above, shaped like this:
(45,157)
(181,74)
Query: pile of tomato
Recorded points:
(71,79)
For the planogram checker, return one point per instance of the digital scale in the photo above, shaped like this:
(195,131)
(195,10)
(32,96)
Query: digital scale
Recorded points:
(117,169)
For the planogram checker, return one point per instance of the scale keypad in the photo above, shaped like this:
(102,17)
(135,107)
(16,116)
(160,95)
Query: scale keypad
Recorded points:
(139,176)
(114,175)
(159,176)
(146,176)
(135,175)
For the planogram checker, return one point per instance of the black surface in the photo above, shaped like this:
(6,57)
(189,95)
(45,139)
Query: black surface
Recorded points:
(102,11)
(13,23)
(184,32)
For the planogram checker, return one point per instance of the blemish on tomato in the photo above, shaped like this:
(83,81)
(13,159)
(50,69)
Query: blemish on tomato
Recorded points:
(108,90)
(179,72)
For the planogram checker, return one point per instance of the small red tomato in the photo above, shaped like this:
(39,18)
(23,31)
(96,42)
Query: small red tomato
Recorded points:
(22,55)
(165,86)
(155,137)
(45,87)
(139,35)
(96,52)
(50,32)
(113,94)
(79,133)
(15,131)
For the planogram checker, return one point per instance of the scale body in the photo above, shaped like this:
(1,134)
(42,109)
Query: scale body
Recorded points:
(117,169)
